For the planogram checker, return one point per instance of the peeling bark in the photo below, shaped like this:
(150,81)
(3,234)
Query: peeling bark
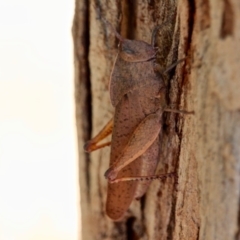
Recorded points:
(202,148)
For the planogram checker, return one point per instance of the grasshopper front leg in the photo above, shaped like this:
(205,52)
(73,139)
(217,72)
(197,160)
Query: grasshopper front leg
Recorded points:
(141,139)
(91,145)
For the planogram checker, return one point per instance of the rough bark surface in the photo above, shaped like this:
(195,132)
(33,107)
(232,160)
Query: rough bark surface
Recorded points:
(204,148)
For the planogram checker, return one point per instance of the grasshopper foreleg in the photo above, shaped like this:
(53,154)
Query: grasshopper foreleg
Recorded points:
(92,144)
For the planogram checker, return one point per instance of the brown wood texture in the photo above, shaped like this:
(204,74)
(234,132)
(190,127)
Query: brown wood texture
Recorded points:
(204,148)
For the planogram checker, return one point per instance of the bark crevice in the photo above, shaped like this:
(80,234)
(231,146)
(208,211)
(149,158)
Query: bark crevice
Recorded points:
(227,27)
(83,95)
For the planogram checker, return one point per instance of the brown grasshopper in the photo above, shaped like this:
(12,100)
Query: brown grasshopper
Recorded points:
(137,92)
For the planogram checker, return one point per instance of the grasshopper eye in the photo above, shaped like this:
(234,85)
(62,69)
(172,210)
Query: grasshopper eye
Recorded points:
(128,51)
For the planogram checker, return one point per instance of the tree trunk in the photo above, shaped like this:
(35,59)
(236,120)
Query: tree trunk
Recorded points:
(203,148)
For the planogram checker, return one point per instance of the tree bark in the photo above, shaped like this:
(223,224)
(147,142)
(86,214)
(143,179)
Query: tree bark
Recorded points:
(203,148)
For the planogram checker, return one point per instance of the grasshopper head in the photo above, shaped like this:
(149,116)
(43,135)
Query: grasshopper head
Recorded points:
(133,50)
(136,51)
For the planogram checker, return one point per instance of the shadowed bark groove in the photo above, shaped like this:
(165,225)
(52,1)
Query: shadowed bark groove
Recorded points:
(202,148)
(83,96)
(227,20)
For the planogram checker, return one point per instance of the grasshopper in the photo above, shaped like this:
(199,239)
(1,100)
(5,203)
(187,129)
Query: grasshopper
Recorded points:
(137,91)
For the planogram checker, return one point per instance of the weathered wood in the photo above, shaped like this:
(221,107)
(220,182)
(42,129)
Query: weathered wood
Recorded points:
(203,148)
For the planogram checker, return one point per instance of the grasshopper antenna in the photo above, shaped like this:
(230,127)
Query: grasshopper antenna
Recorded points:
(118,36)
